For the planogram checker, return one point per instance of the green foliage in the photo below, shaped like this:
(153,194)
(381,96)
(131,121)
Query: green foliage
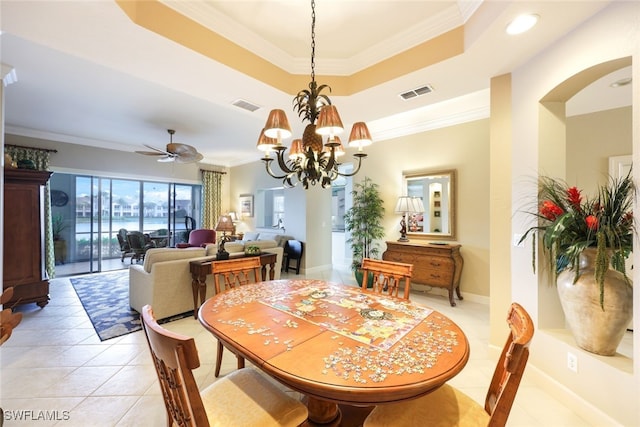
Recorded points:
(58,226)
(568,224)
(364,221)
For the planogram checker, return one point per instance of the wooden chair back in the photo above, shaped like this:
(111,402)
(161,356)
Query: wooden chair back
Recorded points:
(236,272)
(386,276)
(174,357)
(510,367)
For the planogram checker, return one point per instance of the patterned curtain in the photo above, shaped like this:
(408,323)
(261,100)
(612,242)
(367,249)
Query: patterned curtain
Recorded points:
(40,158)
(211,197)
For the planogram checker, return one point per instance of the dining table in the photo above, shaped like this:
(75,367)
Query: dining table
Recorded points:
(341,347)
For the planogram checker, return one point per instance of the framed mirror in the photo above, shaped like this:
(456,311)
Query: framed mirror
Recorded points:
(437,191)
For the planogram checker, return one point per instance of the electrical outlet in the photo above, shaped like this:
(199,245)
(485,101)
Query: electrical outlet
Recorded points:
(572,362)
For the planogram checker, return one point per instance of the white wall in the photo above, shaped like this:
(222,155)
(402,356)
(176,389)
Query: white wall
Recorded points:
(463,147)
(610,384)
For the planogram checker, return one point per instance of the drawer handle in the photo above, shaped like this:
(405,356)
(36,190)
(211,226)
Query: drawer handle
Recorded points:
(435,276)
(435,264)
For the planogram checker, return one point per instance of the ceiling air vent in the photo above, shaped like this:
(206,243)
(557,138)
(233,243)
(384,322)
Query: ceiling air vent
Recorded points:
(423,90)
(245,105)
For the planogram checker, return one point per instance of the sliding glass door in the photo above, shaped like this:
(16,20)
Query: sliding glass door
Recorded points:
(99,207)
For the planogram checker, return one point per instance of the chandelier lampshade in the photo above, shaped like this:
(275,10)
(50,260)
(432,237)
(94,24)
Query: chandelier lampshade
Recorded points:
(329,122)
(311,161)
(265,143)
(296,151)
(277,125)
(360,136)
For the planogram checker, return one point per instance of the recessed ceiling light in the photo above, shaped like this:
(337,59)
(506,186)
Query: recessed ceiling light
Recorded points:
(621,82)
(522,23)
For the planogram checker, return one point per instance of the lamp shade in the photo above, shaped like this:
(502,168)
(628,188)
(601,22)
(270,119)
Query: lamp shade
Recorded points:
(338,151)
(360,136)
(418,205)
(225,224)
(405,205)
(329,122)
(265,143)
(296,149)
(277,125)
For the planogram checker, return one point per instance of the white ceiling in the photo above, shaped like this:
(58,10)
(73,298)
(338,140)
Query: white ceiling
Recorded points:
(86,74)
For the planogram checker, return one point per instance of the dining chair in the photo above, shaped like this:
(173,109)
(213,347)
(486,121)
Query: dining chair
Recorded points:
(227,275)
(448,406)
(242,398)
(386,276)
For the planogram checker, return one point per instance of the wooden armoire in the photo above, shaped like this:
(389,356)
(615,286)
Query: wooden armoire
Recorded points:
(23,263)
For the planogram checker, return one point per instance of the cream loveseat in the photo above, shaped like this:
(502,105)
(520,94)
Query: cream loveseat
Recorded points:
(164,279)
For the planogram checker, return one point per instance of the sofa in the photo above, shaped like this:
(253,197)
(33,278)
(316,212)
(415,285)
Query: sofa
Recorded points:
(164,279)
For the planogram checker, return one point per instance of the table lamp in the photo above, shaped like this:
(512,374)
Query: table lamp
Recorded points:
(404,206)
(225,224)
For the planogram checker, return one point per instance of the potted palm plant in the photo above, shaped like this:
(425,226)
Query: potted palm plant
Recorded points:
(59,244)
(586,241)
(364,223)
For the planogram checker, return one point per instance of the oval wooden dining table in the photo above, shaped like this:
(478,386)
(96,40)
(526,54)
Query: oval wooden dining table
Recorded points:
(336,344)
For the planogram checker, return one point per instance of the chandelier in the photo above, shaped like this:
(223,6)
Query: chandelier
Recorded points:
(310,159)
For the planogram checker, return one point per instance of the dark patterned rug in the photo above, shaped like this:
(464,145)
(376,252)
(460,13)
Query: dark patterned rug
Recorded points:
(105,298)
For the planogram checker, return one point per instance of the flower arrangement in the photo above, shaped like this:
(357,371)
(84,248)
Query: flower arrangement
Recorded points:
(569,223)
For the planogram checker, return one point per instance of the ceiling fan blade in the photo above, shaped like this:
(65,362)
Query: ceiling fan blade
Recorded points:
(151,153)
(181,149)
(157,149)
(189,158)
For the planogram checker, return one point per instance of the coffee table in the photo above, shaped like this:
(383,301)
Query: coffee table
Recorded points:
(201,268)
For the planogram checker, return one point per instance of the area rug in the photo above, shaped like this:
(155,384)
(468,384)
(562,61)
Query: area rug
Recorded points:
(105,298)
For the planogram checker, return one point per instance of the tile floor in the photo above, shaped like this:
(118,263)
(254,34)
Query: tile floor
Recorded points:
(54,362)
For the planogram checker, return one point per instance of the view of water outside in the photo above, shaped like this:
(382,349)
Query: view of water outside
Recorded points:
(103,206)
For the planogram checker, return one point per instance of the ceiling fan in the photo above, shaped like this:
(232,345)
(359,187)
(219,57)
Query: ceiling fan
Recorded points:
(175,152)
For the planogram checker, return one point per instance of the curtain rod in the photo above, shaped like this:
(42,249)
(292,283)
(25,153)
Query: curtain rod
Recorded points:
(48,150)
(207,170)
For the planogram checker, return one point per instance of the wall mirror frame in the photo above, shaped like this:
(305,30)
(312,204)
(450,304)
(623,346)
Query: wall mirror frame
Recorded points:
(437,189)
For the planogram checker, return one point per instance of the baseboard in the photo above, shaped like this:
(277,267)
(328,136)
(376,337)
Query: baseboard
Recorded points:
(480,299)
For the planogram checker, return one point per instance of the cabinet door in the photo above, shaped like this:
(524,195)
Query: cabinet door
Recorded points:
(22,235)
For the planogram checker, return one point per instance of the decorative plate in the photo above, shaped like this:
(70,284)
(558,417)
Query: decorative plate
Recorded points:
(59,198)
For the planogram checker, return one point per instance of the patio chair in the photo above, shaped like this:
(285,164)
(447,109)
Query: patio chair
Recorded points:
(448,406)
(125,249)
(242,398)
(139,244)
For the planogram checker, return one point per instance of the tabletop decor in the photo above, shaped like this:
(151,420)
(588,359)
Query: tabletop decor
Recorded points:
(586,241)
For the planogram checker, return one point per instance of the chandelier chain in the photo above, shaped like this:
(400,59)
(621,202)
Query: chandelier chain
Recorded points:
(313,40)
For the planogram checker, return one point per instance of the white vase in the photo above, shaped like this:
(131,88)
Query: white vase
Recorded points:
(594,329)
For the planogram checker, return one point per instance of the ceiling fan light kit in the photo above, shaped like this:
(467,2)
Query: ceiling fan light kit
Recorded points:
(175,152)
(309,160)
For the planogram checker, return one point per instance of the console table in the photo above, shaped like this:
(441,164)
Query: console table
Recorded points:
(201,268)
(434,264)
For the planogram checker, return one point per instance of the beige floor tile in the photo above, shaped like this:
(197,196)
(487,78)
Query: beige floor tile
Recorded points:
(101,411)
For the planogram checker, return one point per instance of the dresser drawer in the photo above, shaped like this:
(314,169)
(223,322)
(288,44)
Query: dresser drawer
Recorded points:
(433,265)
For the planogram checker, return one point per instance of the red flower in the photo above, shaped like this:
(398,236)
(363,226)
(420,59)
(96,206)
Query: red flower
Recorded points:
(550,210)
(592,222)
(573,194)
